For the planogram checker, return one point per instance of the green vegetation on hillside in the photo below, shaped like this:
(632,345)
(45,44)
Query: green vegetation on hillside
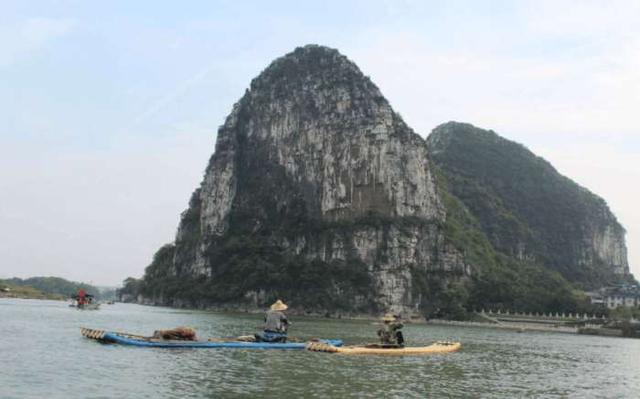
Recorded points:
(246,263)
(623,313)
(524,207)
(130,290)
(498,281)
(10,290)
(55,286)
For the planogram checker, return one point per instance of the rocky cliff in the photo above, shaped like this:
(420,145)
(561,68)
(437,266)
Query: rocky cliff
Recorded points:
(527,209)
(314,176)
(319,193)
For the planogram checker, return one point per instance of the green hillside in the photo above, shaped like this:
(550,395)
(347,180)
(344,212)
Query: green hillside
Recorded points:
(526,209)
(9,290)
(55,286)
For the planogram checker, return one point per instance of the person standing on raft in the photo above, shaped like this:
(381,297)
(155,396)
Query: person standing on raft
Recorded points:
(390,333)
(81,297)
(276,324)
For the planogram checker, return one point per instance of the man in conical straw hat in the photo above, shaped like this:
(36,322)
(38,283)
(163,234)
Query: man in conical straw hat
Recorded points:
(276,324)
(279,306)
(390,333)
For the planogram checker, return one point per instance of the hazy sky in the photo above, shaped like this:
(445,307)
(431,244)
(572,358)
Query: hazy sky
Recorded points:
(109,110)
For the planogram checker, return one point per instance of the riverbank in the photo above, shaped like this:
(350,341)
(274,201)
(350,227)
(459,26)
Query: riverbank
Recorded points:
(546,326)
(517,326)
(29,293)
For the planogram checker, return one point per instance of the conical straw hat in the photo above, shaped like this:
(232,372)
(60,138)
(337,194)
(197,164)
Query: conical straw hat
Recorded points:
(279,305)
(388,317)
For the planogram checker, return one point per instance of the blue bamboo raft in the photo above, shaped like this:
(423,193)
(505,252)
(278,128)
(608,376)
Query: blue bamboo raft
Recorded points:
(149,342)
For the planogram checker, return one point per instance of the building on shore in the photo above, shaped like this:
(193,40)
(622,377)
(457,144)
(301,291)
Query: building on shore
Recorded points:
(613,297)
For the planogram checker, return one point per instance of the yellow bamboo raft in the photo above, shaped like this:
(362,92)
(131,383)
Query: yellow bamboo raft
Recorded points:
(438,347)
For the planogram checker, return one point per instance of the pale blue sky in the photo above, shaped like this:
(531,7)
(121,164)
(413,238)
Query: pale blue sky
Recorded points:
(108,111)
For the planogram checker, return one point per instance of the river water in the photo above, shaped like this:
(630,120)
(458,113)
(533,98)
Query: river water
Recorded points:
(43,355)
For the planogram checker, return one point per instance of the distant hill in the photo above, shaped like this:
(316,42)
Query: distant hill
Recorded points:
(527,209)
(55,286)
(9,290)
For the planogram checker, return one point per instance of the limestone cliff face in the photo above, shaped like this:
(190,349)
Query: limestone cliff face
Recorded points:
(319,193)
(604,244)
(313,161)
(527,209)
(313,115)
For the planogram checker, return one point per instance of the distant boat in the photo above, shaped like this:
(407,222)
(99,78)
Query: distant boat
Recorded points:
(84,301)
(89,306)
(85,306)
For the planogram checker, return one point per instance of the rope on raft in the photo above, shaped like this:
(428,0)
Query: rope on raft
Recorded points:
(99,334)
(320,347)
(92,333)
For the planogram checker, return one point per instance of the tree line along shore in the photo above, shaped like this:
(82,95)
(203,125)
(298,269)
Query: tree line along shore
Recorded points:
(51,288)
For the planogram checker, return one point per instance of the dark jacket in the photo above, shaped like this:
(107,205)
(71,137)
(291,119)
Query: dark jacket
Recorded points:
(390,334)
(276,321)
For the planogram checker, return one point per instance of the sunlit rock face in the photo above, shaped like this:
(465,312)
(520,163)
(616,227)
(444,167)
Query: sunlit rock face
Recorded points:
(318,193)
(327,128)
(314,158)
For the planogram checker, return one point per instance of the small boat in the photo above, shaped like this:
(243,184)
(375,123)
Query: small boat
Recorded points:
(87,306)
(386,350)
(139,340)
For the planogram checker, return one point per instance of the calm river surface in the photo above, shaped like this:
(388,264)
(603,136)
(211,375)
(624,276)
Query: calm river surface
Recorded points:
(43,355)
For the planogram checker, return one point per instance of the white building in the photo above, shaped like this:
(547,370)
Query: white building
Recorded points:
(612,301)
(612,297)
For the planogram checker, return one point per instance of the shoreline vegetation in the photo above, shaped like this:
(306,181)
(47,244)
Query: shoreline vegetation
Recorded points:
(52,288)
(562,324)
(28,292)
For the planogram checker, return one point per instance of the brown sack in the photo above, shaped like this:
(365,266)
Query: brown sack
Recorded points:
(179,334)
